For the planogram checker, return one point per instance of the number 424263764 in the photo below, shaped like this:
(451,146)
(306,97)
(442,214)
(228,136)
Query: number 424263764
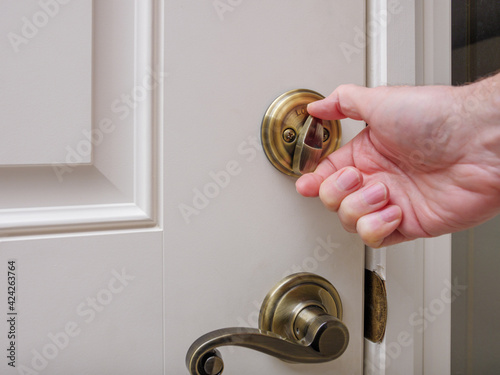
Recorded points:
(11,285)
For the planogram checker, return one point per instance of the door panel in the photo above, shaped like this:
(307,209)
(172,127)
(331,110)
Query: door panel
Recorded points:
(117,188)
(82,233)
(85,304)
(53,117)
(234,225)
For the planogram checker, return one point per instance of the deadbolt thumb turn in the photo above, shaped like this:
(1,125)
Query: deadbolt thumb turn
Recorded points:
(293,141)
(300,321)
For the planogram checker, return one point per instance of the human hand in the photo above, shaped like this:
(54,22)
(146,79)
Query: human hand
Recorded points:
(428,162)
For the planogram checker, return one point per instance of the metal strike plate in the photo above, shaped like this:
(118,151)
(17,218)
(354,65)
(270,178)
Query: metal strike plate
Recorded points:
(282,125)
(375,307)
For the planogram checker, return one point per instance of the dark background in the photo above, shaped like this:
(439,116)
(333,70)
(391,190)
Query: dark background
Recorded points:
(475,43)
(475,314)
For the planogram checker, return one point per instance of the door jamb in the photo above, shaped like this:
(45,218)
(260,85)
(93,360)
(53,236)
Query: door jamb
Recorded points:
(409,43)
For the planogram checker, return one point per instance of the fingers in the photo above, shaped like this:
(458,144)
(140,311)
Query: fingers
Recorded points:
(339,185)
(366,212)
(361,209)
(376,228)
(362,202)
(351,101)
(309,184)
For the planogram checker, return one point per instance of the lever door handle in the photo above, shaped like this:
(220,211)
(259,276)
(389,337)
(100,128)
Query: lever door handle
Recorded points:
(299,321)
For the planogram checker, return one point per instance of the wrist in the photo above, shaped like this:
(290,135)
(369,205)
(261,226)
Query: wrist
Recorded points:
(481,106)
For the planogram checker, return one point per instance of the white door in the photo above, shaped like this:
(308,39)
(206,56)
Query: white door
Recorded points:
(138,210)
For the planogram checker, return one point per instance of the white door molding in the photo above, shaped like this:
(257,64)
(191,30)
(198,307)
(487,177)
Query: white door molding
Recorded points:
(118,187)
(409,42)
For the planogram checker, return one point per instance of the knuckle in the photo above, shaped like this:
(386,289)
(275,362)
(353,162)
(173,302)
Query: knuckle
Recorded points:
(348,218)
(329,200)
(349,210)
(330,204)
(349,227)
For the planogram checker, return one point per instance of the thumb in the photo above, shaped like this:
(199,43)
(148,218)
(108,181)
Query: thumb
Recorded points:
(346,101)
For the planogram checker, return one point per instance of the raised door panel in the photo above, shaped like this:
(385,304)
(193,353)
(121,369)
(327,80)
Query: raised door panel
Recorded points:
(46,77)
(80,237)
(104,174)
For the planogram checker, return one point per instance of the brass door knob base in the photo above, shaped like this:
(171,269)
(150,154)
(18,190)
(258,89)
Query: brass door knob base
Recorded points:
(283,305)
(300,321)
(283,125)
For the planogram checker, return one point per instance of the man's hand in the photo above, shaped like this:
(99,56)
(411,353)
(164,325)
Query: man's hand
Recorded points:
(428,162)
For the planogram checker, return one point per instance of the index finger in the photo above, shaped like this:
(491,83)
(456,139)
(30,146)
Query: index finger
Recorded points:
(356,102)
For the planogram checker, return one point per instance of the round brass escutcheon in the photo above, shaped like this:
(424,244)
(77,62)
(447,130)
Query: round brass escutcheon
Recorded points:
(282,123)
(282,305)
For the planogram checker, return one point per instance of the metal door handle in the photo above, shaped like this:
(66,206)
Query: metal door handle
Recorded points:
(300,321)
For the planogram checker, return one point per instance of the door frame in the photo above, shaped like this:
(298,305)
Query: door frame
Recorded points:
(409,43)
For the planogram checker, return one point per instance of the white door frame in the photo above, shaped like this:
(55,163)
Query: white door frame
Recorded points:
(409,43)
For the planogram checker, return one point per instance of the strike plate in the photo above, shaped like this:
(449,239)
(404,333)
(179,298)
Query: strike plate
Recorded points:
(375,307)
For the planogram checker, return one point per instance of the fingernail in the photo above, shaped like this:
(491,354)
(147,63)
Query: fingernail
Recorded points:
(348,179)
(375,193)
(390,214)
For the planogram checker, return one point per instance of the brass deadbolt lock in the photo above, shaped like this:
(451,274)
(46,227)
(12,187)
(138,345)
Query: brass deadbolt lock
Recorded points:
(294,141)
